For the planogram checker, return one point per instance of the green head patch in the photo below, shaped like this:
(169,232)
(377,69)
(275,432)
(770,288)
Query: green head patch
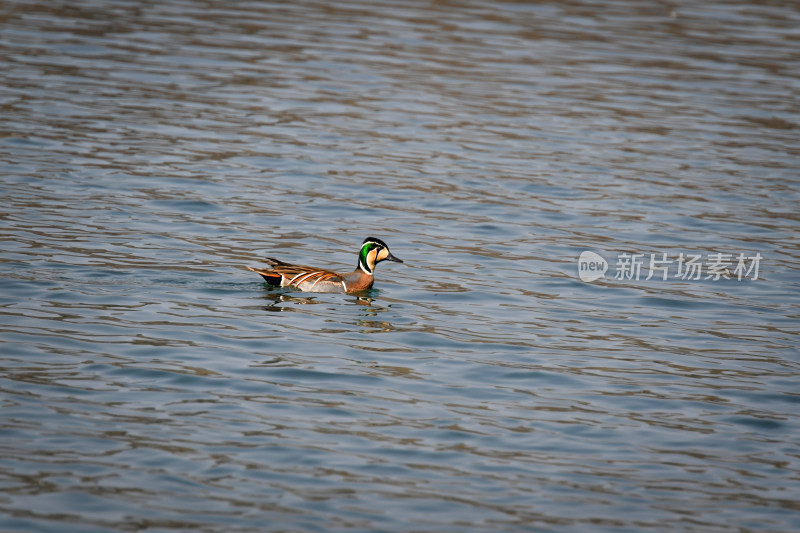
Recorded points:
(366,257)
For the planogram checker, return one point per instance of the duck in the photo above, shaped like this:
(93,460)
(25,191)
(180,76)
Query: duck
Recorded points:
(312,279)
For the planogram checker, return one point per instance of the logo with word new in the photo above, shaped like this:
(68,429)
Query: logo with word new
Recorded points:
(591,266)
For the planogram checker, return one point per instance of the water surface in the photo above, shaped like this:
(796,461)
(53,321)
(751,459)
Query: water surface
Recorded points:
(150,150)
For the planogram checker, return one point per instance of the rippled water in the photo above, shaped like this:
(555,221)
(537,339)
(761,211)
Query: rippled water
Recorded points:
(149,151)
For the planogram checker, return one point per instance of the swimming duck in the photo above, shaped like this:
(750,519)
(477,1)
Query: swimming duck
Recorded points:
(311,279)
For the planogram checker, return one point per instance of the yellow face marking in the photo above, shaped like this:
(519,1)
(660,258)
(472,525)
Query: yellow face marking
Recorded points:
(371,259)
(383,254)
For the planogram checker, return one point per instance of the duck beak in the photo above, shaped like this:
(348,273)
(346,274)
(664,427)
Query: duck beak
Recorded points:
(390,257)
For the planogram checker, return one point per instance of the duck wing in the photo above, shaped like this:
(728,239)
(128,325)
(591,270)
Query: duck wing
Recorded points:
(282,274)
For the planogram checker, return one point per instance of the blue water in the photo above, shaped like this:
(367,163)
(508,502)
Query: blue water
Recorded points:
(150,152)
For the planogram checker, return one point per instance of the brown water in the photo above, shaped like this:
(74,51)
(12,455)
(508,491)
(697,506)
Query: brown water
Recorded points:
(150,150)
